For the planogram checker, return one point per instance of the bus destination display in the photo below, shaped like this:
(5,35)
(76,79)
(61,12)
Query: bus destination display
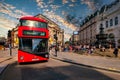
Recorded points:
(33,33)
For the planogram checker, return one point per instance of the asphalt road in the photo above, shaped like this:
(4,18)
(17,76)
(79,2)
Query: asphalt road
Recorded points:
(54,70)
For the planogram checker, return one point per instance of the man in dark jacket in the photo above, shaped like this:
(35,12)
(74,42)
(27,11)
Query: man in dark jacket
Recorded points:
(115,52)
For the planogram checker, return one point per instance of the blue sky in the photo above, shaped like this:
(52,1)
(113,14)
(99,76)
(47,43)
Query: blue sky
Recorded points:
(56,10)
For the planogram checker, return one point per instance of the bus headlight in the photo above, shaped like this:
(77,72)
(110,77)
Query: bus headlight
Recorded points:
(46,56)
(21,57)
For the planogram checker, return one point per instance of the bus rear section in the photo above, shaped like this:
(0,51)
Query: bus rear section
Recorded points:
(33,49)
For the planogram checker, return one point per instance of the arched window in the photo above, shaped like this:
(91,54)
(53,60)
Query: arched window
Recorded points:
(111,22)
(101,25)
(106,24)
(116,20)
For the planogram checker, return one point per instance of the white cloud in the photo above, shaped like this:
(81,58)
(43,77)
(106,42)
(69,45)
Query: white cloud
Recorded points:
(73,0)
(11,10)
(90,4)
(6,23)
(71,5)
(40,3)
(8,17)
(68,28)
(64,13)
(54,7)
(64,1)
(51,1)
(52,15)
(9,6)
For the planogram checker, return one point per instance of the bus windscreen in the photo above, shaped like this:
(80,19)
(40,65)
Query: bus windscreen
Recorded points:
(31,23)
(33,45)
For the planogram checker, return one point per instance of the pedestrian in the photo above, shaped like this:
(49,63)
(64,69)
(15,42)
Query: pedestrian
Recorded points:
(56,49)
(103,49)
(70,48)
(115,52)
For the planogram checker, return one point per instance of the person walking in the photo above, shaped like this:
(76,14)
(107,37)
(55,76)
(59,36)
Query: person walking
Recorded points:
(56,49)
(115,52)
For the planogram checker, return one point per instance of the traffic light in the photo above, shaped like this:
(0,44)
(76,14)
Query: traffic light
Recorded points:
(55,36)
(9,33)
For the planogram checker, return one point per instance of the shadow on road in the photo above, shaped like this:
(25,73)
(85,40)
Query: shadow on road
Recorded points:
(41,71)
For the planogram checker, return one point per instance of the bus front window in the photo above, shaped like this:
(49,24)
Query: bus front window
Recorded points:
(39,45)
(33,45)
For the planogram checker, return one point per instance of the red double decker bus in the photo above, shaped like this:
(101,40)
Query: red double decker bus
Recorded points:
(33,37)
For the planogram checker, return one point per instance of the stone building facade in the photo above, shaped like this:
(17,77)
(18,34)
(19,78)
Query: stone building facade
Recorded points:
(88,30)
(14,37)
(108,17)
(110,20)
(53,29)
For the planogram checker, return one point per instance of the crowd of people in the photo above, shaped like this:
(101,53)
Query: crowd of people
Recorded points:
(88,49)
(75,48)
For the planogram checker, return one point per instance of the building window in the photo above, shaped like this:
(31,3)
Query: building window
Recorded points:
(101,25)
(111,22)
(116,20)
(106,24)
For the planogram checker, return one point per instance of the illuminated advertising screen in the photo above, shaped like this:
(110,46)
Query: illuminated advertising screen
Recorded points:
(75,32)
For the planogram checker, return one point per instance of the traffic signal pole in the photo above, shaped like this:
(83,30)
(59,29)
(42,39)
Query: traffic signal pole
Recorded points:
(55,36)
(10,42)
(10,46)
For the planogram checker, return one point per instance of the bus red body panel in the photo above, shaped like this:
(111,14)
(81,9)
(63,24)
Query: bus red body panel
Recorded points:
(26,57)
(33,18)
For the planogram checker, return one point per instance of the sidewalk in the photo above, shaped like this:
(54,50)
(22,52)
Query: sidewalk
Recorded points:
(5,56)
(98,62)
